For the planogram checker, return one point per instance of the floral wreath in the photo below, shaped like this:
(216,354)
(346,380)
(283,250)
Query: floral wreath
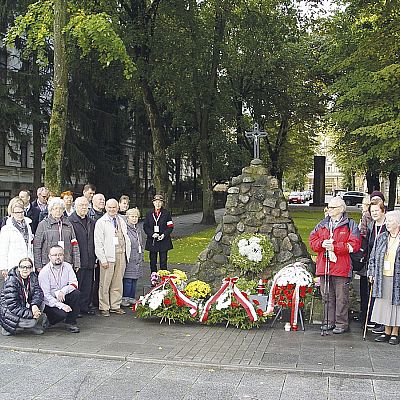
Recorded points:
(251,252)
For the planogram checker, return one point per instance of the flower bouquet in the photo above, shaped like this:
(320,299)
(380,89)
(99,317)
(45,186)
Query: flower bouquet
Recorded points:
(251,253)
(289,289)
(233,307)
(166,301)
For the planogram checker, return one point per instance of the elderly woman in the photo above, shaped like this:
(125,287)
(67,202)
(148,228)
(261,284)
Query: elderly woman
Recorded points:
(384,273)
(21,301)
(158,227)
(134,267)
(375,228)
(333,239)
(15,237)
(52,231)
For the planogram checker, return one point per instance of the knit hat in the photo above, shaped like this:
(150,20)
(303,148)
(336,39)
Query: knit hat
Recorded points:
(376,193)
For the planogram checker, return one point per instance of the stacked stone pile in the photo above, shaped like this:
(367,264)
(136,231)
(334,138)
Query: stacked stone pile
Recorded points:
(254,204)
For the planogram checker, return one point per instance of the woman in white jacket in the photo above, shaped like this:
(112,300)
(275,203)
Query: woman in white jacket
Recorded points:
(15,239)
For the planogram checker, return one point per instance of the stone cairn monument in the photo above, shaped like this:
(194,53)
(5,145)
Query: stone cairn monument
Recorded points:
(255,204)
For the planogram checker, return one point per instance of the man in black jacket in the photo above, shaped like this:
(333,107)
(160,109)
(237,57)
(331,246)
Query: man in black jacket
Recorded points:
(29,210)
(84,230)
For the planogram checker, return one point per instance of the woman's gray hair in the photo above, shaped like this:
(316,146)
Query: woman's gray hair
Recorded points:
(394,214)
(55,201)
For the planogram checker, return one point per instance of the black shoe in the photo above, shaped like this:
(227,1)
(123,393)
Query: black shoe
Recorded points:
(72,328)
(79,315)
(378,330)
(382,338)
(394,339)
(91,311)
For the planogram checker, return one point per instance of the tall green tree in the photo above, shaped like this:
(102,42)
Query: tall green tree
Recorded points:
(362,49)
(45,20)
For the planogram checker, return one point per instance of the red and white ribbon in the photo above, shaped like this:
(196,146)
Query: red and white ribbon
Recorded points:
(242,300)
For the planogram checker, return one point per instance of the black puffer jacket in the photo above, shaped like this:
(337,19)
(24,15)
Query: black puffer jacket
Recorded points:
(13,302)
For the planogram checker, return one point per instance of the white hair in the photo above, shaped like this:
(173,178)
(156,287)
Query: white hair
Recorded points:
(339,202)
(395,214)
(55,201)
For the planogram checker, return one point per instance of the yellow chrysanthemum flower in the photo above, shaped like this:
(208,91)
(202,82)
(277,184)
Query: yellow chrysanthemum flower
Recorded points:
(198,289)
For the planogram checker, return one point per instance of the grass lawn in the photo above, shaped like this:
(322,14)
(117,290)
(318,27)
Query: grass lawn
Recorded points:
(187,249)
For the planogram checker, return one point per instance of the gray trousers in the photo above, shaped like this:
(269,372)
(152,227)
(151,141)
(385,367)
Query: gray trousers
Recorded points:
(337,301)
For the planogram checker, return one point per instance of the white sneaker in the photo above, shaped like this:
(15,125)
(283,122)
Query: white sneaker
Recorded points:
(125,302)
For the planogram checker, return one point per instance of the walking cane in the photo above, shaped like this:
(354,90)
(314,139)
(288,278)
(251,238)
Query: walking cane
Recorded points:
(324,330)
(366,318)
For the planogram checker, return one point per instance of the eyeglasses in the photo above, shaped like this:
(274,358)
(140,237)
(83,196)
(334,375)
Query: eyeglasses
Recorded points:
(18,212)
(57,255)
(27,267)
(332,208)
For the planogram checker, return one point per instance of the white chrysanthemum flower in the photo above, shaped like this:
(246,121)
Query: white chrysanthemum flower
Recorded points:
(156,299)
(224,301)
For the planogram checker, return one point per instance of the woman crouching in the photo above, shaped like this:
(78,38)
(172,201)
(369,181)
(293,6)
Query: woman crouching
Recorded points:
(21,300)
(384,273)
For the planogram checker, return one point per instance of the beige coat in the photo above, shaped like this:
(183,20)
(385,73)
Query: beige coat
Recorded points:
(104,233)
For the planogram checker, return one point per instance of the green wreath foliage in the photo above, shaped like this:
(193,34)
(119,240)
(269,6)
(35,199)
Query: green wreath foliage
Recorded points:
(246,265)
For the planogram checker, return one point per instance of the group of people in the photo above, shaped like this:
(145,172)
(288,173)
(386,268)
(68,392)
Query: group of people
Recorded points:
(62,258)
(335,239)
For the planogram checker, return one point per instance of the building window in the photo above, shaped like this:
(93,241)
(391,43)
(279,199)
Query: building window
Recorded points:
(2,150)
(5,196)
(3,66)
(24,154)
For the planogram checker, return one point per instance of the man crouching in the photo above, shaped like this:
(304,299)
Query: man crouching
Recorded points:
(60,288)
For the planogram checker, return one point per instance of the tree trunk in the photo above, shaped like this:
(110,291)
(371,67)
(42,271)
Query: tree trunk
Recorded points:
(58,120)
(372,181)
(392,190)
(162,183)
(275,152)
(36,128)
(206,162)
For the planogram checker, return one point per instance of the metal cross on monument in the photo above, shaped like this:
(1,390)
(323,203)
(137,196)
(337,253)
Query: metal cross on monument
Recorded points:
(256,134)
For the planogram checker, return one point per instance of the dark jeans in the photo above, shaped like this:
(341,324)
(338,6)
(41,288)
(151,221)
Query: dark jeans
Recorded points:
(129,287)
(153,260)
(85,281)
(55,315)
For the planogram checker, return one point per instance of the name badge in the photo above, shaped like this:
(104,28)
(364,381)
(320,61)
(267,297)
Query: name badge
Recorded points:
(61,243)
(115,240)
(140,249)
(386,265)
(156,229)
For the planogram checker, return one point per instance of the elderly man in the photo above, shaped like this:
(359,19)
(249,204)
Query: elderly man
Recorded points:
(84,231)
(98,204)
(60,288)
(113,247)
(41,201)
(30,211)
(333,239)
